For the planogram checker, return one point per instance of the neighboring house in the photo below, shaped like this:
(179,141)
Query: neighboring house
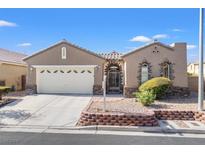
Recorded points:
(13,69)
(193,68)
(67,68)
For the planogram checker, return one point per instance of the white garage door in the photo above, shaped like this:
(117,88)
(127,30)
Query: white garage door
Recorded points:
(74,80)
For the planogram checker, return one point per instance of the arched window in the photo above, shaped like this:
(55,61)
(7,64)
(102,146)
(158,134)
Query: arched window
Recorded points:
(63,52)
(166,71)
(144,73)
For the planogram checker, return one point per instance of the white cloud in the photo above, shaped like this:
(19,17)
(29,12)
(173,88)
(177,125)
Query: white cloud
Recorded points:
(145,39)
(140,39)
(172,44)
(191,46)
(4,23)
(177,30)
(24,44)
(160,36)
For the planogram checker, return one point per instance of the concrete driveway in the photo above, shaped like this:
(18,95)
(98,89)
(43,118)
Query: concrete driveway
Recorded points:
(44,110)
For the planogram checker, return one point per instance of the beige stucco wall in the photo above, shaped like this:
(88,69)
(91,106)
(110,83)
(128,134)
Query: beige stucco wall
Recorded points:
(194,69)
(191,68)
(75,56)
(11,74)
(177,56)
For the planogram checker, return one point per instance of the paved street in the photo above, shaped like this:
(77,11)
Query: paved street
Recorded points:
(89,139)
(44,110)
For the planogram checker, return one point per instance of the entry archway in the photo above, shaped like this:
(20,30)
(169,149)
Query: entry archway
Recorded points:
(114,79)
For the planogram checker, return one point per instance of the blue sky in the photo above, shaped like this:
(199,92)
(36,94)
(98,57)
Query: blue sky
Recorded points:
(99,30)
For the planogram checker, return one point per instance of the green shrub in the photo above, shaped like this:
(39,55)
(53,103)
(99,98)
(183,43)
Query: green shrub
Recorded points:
(146,97)
(158,85)
(3,89)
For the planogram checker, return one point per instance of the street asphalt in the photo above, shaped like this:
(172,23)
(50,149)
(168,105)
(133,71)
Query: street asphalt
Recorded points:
(22,138)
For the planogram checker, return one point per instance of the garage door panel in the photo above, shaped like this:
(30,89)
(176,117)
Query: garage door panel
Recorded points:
(75,80)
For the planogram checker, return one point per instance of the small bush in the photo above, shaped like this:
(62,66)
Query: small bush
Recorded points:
(3,89)
(146,97)
(158,85)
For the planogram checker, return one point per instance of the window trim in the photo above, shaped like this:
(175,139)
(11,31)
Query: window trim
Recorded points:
(63,53)
(167,66)
(145,65)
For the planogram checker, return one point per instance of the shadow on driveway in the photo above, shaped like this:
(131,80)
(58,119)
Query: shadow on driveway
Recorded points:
(14,114)
(14,102)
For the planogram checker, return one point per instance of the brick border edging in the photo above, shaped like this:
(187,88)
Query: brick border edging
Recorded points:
(88,118)
(150,119)
(122,119)
(180,115)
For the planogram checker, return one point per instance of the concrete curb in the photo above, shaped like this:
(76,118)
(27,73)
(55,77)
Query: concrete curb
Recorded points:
(111,128)
(132,129)
(188,131)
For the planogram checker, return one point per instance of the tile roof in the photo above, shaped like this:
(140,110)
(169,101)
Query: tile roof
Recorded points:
(12,57)
(113,55)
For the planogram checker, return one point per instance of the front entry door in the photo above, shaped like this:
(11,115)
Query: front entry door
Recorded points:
(113,81)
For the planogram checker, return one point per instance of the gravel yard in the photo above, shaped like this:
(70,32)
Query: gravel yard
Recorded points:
(181,104)
(119,104)
(16,94)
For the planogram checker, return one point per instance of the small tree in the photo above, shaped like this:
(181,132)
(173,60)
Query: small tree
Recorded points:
(3,90)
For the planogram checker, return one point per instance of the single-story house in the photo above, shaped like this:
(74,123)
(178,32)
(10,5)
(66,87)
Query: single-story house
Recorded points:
(13,69)
(68,68)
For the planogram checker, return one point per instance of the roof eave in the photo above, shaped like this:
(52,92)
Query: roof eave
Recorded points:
(145,46)
(64,41)
(12,63)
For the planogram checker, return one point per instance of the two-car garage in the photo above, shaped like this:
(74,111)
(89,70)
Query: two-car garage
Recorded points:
(65,68)
(73,79)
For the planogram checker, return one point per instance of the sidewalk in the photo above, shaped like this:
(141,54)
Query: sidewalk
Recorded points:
(166,126)
(179,126)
